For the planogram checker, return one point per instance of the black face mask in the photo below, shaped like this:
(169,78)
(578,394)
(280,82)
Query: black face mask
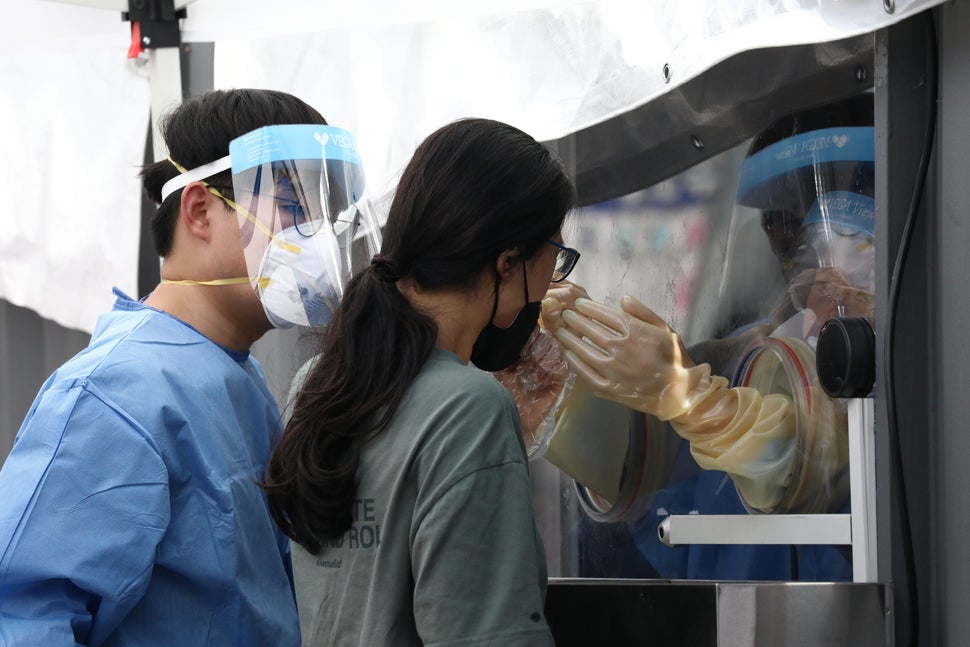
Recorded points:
(498,348)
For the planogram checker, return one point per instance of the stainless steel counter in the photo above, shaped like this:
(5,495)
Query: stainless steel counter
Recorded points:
(591,612)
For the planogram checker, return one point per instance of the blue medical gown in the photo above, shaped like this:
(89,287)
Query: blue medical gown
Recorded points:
(129,507)
(692,490)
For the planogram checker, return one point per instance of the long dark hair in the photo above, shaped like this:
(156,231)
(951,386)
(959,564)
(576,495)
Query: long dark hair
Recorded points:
(199,131)
(473,189)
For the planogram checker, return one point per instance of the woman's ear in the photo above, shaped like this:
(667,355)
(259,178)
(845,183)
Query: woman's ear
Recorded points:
(195,208)
(507,262)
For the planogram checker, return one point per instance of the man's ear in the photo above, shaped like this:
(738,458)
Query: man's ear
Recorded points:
(195,210)
(507,262)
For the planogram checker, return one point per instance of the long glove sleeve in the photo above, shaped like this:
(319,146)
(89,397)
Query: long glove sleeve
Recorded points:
(633,358)
(746,434)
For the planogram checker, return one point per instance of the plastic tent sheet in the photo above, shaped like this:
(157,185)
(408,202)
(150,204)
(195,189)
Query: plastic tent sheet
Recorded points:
(549,68)
(77,111)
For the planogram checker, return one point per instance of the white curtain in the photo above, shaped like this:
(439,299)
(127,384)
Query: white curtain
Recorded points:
(75,116)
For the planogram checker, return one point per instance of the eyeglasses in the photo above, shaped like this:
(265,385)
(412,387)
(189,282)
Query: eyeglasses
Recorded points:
(565,261)
(251,219)
(292,200)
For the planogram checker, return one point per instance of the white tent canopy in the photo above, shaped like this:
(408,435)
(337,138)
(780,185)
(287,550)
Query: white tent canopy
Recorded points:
(77,109)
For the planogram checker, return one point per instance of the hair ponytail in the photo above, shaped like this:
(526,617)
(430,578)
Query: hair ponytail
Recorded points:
(347,398)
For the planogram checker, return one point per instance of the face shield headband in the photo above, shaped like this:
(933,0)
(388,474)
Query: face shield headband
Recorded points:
(200,174)
(784,174)
(805,174)
(839,232)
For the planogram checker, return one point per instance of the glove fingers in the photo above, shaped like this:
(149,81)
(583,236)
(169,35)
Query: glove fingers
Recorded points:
(550,316)
(551,305)
(636,308)
(586,351)
(593,330)
(607,317)
(597,382)
(566,293)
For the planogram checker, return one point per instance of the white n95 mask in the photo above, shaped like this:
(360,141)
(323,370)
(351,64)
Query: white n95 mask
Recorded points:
(300,282)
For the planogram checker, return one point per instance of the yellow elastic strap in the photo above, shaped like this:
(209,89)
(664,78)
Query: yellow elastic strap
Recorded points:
(262,281)
(295,249)
(178,167)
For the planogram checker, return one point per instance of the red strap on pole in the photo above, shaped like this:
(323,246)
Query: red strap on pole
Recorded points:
(135,48)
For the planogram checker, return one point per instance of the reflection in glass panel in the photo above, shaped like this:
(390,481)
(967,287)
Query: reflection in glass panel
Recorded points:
(745,255)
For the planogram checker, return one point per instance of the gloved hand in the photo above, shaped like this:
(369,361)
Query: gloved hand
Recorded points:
(634,358)
(538,382)
(559,297)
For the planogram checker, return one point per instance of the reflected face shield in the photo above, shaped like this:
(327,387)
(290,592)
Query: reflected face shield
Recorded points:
(305,222)
(822,177)
(839,233)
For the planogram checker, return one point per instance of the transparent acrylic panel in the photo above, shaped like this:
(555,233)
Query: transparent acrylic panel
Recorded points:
(747,279)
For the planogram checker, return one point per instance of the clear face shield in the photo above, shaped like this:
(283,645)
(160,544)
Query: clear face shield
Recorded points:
(814,193)
(306,224)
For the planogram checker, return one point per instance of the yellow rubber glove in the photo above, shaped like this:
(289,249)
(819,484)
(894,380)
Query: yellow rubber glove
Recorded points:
(560,296)
(634,358)
(750,436)
(591,434)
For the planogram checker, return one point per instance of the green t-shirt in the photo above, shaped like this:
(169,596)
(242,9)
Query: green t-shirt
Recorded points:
(444,548)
